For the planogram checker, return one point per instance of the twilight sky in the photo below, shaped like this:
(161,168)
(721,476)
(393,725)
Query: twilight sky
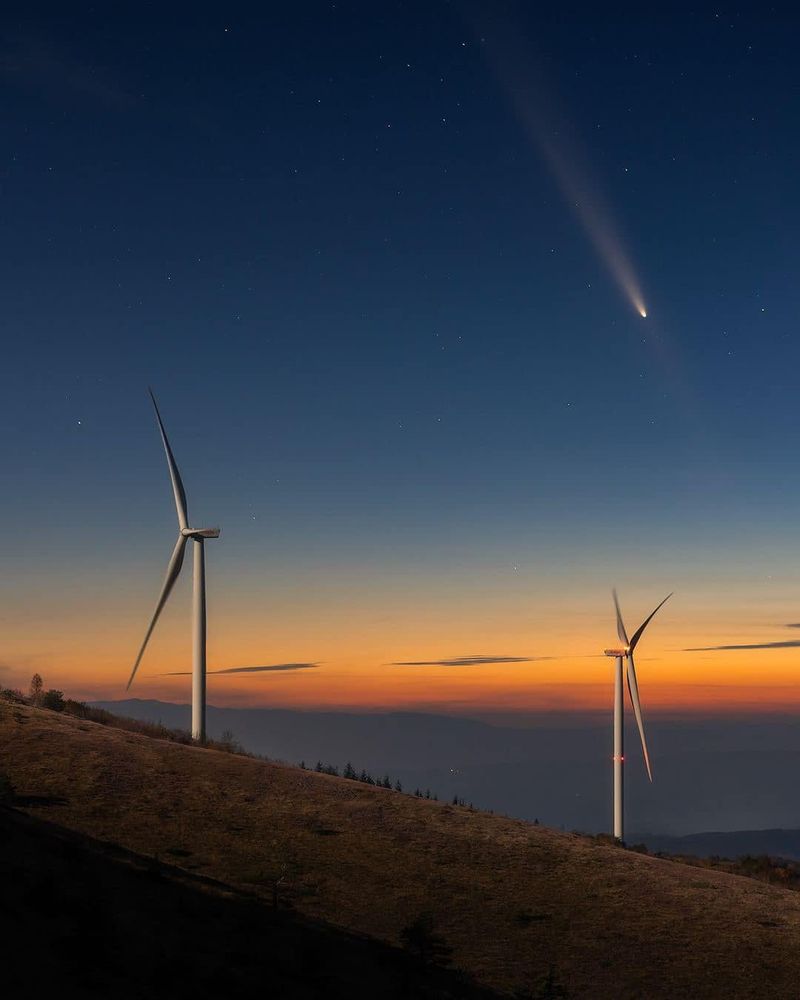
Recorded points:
(381,265)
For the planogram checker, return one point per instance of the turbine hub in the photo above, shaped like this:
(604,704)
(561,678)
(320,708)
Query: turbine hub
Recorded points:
(200,532)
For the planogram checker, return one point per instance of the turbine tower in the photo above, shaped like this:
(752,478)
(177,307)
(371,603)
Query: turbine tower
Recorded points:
(626,654)
(198,537)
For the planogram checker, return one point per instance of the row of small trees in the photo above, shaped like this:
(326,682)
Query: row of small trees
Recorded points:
(349,772)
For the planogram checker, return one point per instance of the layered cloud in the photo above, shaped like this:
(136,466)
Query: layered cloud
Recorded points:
(468,661)
(788,644)
(269,668)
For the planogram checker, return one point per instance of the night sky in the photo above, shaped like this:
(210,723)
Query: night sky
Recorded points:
(380,264)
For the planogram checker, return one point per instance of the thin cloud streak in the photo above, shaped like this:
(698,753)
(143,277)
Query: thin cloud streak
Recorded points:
(468,661)
(271,668)
(789,644)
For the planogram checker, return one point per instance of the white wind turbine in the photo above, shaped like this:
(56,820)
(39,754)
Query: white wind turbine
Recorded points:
(198,536)
(626,653)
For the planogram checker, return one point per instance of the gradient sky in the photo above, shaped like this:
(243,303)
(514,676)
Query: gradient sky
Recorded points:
(376,262)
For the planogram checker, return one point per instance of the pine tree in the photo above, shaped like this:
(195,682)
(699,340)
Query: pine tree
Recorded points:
(421,940)
(37,687)
(398,786)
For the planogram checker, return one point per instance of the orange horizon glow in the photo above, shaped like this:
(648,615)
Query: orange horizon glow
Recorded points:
(356,631)
(683,682)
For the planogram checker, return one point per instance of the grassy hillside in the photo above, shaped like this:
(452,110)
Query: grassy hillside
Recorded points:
(83,918)
(511,899)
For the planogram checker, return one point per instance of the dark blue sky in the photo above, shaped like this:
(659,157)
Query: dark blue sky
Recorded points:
(379,335)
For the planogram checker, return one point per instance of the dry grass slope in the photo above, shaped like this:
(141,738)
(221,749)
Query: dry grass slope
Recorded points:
(511,899)
(88,919)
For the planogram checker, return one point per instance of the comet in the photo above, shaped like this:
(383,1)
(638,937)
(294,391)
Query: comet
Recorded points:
(586,203)
(548,130)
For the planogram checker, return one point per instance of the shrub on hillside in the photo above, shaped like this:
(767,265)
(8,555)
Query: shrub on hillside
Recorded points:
(14,695)
(607,839)
(54,700)
(420,938)
(227,742)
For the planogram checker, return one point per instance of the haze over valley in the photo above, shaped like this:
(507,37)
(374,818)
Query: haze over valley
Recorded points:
(554,768)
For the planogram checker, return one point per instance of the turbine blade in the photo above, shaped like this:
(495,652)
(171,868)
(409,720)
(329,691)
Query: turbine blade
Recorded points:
(173,571)
(633,691)
(174,475)
(637,635)
(623,635)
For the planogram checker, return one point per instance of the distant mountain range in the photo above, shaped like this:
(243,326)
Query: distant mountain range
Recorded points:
(723,775)
(735,844)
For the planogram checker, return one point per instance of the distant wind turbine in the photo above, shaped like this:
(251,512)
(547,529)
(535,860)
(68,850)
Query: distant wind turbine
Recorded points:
(198,536)
(626,653)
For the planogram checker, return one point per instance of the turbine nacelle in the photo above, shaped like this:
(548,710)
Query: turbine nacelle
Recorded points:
(200,532)
(617,652)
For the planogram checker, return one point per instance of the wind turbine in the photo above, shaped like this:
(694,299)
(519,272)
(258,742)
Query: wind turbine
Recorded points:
(626,653)
(198,537)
